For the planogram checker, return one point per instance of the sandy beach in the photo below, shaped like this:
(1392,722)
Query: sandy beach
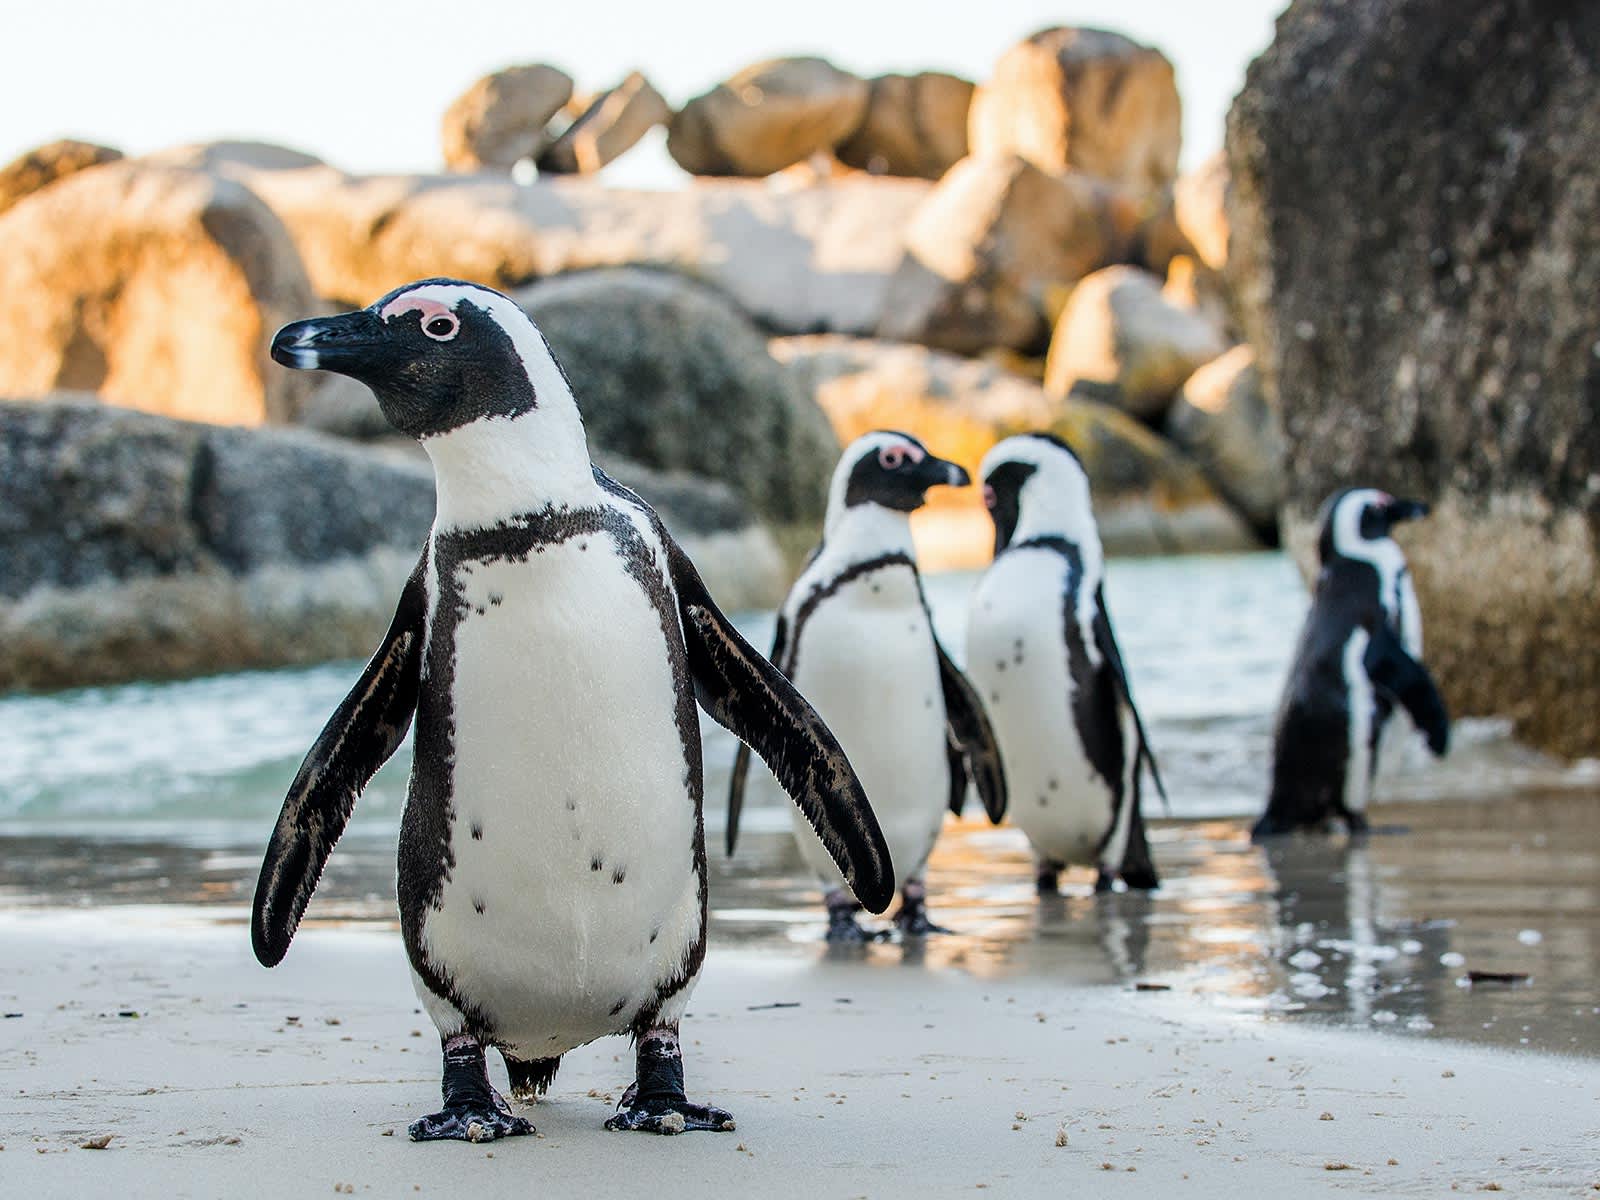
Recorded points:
(887,1073)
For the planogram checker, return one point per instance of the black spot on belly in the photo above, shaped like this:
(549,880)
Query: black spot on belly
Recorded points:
(479,609)
(496,599)
(1054,785)
(572,804)
(994,697)
(655,933)
(583,545)
(618,874)
(596,863)
(876,588)
(927,702)
(1001,665)
(619,1006)
(477,832)
(1043,802)
(477,906)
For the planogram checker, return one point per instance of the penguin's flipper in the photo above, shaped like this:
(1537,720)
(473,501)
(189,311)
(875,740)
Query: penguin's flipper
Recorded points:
(750,697)
(972,742)
(1106,642)
(366,728)
(1394,671)
(741,761)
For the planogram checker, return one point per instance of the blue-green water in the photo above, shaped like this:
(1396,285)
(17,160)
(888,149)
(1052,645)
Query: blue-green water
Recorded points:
(1207,640)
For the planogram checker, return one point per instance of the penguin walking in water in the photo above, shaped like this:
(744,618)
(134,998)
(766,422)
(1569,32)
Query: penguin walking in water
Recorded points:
(854,635)
(1041,650)
(1360,654)
(551,645)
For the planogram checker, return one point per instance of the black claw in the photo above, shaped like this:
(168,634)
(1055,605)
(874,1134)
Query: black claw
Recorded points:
(914,922)
(660,1115)
(469,1124)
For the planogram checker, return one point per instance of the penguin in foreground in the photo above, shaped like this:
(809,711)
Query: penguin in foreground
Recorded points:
(854,635)
(1360,654)
(551,643)
(1042,653)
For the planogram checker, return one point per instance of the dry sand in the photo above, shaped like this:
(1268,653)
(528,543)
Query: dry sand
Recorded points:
(235,1081)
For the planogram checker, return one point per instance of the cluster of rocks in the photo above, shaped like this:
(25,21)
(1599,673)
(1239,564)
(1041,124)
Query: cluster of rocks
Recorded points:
(982,259)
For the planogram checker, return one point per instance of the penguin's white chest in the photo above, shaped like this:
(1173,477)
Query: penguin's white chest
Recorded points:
(573,891)
(865,658)
(1018,659)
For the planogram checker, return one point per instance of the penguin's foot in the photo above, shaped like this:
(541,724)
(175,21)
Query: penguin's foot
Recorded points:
(473,1111)
(1104,881)
(1356,824)
(468,1123)
(842,910)
(912,919)
(655,1101)
(1048,880)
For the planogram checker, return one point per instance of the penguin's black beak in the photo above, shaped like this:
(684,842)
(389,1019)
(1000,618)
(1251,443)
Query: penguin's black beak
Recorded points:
(937,472)
(1404,510)
(347,343)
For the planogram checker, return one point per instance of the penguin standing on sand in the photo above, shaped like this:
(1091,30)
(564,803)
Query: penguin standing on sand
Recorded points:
(1360,654)
(855,637)
(1042,653)
(551,643)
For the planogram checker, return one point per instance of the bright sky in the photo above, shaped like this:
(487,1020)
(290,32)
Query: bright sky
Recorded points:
(363,83)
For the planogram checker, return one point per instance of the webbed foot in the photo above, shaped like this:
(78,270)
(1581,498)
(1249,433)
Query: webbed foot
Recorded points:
(1047,881)
(842,910)
(912,919)
(473,1111)
(655,1102)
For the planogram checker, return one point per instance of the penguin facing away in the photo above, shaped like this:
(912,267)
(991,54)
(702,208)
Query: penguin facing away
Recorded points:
(1360,654)
(551,644)
(855,636)
(1041,650)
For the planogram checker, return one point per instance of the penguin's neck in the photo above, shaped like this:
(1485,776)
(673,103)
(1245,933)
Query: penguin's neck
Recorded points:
(858,532)
(1049,521)
(498,468)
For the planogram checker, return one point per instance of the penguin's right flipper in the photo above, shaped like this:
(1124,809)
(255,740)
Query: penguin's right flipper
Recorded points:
(973,751)
(1106,642)
(749,696)
(1393,670)
(741,761)
(366,728)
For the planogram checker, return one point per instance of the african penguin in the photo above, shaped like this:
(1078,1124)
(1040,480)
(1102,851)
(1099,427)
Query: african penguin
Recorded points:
(1359,655)
(1042,653)
(854,635)
(551,643)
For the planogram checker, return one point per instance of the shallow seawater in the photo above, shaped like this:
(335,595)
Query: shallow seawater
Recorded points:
(166,794)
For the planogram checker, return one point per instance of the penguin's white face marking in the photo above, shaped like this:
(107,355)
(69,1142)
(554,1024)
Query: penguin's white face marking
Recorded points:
(882,476)
(1356,528)
(1036,487)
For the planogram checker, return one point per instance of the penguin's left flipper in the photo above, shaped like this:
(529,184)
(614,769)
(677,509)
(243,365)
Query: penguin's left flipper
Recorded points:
(366,728)
(1394,671)
(974,753)
(1106,642)
(741,761)
(749,696)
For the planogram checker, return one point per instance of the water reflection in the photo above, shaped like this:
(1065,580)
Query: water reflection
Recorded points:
(1380,934)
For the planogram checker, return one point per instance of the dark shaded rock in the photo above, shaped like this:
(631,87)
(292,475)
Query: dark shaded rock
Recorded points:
(155,287)
(767,117)
(913,125)
(671,375)
(1416,247)
(43,165)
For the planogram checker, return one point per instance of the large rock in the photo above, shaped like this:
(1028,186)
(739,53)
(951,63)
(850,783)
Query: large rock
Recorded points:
(988,248)
(139,547)
(1148,497)
(672,376)
(43,165)
(1222,420)
(1416,201)
(1120,341)
(157,288)
(913,125)
(1083,100)
(767,117)
(608,127)
(799,260)
(502,118)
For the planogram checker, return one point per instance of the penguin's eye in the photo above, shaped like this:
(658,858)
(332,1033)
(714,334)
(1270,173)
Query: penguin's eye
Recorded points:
(891,457)
(989,498)
(441,328)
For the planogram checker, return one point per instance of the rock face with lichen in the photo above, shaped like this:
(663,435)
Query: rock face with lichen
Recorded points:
(913,125)
(1415,247)
(155,287)
(43,165)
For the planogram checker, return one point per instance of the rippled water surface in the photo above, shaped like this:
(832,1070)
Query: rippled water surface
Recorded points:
(166,793)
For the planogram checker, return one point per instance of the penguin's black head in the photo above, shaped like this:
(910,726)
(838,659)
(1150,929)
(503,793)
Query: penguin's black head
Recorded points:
(438,354)
(1061,495)
(894,470)
(1355,518)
